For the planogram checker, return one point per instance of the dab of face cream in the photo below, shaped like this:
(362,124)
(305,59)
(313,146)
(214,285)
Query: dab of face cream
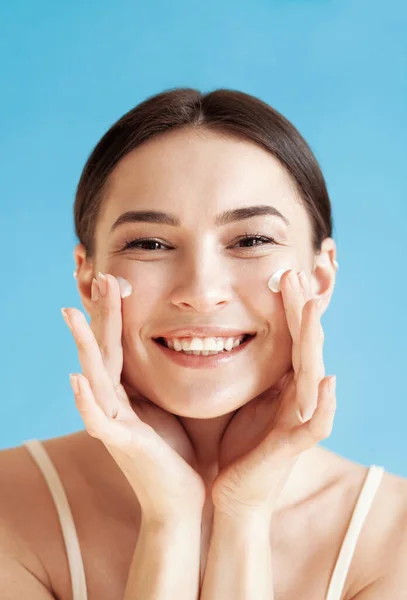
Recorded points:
(125,286)
(274,281)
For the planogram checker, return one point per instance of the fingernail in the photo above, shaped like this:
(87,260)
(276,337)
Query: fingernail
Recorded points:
(274,281)
(303,281)
(74,383)
(95,290)
(102,282)
(125,287)
(308,412)
(332,384)
(66,318)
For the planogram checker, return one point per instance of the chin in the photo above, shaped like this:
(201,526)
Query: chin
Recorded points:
(205,400)
(210,394)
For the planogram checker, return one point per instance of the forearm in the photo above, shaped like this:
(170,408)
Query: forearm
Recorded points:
(166,561)
(239,559)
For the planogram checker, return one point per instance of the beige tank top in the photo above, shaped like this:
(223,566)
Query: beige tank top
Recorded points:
(336,585)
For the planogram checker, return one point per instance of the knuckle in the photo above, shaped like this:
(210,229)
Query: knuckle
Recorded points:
(317,435)
(323,432)
(116,383)
(308,306)
(326,433)
(92,432)
(82,345)
(308,371)
(104,309)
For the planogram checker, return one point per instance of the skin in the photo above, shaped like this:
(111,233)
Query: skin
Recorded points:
(211,277)
(207,280)
(200,175)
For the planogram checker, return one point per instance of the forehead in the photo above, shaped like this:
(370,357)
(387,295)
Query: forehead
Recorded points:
(196,174)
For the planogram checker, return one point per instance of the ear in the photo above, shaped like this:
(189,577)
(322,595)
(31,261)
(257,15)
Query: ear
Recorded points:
(84,274)
(323,276)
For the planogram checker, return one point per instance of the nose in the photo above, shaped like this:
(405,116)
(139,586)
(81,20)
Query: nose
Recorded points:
(202,285)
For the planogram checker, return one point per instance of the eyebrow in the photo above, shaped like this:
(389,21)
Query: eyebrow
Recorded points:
(228,216)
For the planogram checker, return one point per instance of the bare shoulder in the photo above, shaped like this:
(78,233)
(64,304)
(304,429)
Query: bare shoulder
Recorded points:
(24,492)
(387,525)
(20,504)
(29,525)
(383,532)
(96,491)
(382,543)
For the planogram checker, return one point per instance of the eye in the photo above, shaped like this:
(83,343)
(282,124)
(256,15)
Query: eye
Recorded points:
(146,241)
(257,238)
(150,244)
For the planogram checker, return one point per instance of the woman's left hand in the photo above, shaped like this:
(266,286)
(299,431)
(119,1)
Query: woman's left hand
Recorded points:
(265,437)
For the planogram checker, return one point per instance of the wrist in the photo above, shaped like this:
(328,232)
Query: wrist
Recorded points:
(171,522)
(244,520)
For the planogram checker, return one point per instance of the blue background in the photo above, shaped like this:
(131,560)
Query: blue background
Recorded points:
(336,69)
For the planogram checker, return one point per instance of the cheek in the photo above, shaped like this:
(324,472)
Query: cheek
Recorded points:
(251,283)
(258,271)
(140,308)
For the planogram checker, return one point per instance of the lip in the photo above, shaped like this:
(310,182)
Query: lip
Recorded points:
(204,332)
(203,362)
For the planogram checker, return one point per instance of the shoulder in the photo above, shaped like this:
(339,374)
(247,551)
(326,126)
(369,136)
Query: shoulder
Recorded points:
(381,537)
(387,517)
(29,525)
(383,540)
(19,474)
(21,502)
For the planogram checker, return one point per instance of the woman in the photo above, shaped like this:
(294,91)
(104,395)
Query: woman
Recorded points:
(205,245)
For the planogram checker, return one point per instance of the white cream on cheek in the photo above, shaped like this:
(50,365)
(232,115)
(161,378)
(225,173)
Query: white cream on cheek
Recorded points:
(125,286)
(274,281)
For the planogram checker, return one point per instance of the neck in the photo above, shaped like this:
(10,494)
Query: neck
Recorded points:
(205,436)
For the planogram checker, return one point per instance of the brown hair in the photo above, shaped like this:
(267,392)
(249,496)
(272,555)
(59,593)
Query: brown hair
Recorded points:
(225,111)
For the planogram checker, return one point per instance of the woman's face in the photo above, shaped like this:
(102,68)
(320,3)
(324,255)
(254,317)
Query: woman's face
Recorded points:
(201,272)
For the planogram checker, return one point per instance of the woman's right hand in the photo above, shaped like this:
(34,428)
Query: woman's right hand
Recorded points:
(148,444)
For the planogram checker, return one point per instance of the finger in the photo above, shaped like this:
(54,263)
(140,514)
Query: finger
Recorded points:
(93,416)
(109,325)
(319,427)
(305,283)
(293,300)
(306,286)
(92,363)
(97,423)
(312,369)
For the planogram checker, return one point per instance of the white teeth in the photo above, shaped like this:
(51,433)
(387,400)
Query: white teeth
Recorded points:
(185,346)
(229,344)
(204,346)
(176,344)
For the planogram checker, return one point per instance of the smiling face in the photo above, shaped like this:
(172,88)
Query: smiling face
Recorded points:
(202,271)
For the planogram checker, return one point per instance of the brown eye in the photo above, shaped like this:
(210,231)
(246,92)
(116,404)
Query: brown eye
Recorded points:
(259,240)
(149,244)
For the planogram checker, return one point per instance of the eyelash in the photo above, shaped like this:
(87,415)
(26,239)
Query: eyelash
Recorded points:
(132,243)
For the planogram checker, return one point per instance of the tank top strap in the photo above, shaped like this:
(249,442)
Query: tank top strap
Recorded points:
(77,571)
(360,512)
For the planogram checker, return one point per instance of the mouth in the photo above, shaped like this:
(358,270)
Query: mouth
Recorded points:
(183,345)
(204,358)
